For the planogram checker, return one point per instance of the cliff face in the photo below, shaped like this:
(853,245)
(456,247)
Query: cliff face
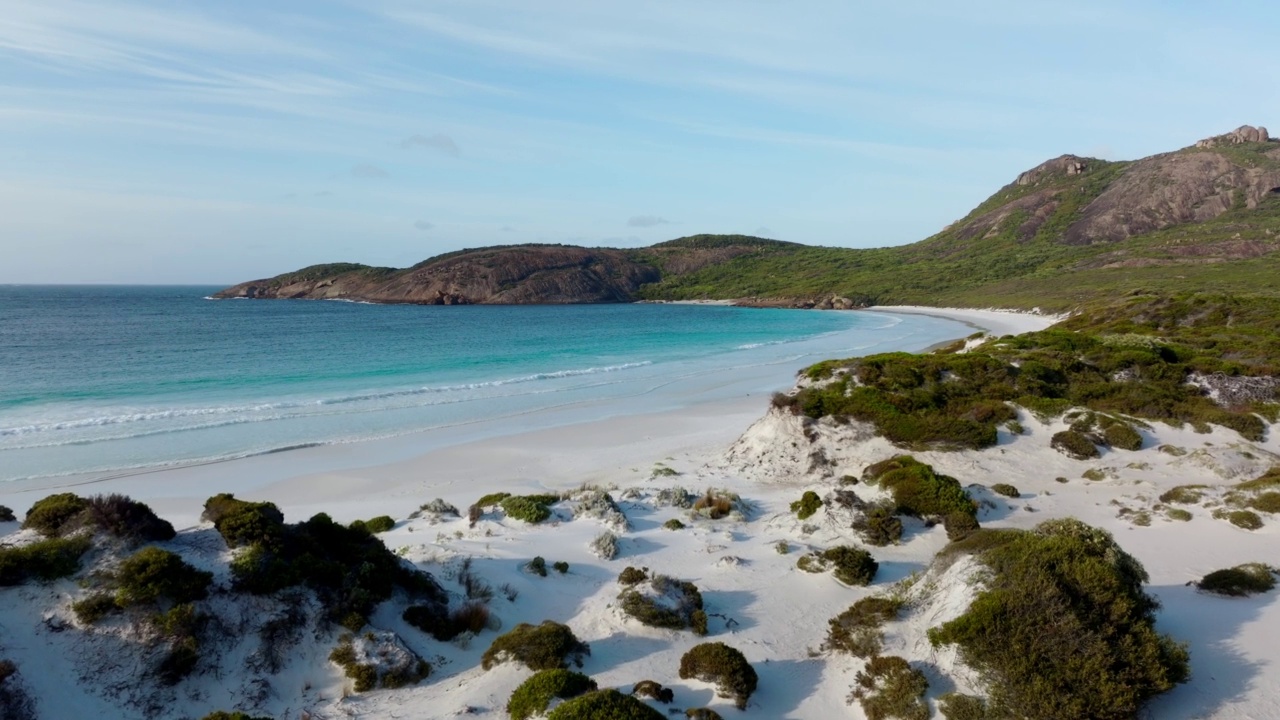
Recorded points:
(512,275)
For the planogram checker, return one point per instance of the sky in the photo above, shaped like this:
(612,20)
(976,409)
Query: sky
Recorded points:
(201,142)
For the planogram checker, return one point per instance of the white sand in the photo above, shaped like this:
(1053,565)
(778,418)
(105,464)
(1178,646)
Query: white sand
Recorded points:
(758,601)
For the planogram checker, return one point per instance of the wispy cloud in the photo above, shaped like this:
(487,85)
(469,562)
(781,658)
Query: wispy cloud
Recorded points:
(367,171)
(438,142)
(423,225)
(647,221)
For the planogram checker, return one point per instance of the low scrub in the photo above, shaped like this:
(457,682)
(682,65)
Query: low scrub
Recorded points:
(1244,519)
(724,666)
(547,646)
(717,504)
(702,714)
(917,490)
(856,631)
(237,715)
(604,705)
(1183,495)
(42,560)
(116,515)
(532,509)
(654,691)
(955,706)
(605,545)
(535,694)
(666,603)
(378,662)
(888,688)
(50,515)
(879,524)
(445,624)
(242,523)
(93,607)
(1063,628)
(959,525)
(850,565)
(1239,581)
(380,524)
(154,575)
(1267,502)
(1006,490)
(6,514)
(807,505)
(673,524)
(1075,445)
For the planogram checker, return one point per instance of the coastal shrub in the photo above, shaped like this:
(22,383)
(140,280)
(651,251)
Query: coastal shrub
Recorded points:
(49,515)
(851,566)
(540,647)
(1268,480)
(125,518)
(560,566)
(1006,490)
(1239,581)
(1244,519)
(671,603)
(180,621)
(879,525)
(1268,502)
(492,499)
(1062,628)
(178,662)
(532,509)
(889,688)
(605,545)
(1177,514)
(715,504)
(242,523)
(955,706)
(380,524)
(856,631)
(42,560)
(536,693)
(654,691)
(368,676)
(94,607)
(673,524)
(807,505)
(959,525)
(1074,445)
(237,715)
(444,624)
(724,666)
(152,574)
(604,705)
(350,570)
(436,508)
(537,566)
(1183,495)
(702,714)
(633,576)
(6,514)
(917,489)
(1123,436)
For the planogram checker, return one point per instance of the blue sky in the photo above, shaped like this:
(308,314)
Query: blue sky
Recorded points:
(217,142)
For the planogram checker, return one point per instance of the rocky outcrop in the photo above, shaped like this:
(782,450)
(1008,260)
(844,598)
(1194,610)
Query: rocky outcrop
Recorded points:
(529,274)
(823,302)
(1066,165)
(1239,136)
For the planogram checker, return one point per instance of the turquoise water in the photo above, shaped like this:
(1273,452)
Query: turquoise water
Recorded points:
(103,379)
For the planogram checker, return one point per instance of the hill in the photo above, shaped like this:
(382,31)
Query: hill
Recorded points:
(1206,217)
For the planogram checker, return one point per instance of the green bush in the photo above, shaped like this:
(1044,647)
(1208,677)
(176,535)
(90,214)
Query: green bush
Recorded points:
(632,576)
(125,518)
(537,566)
(1006,490)
(1074,445)
(92,608)
(879,525)
(680,607)
(532,509)
(182,658)
(604,705)
(702,714)
(959,525)
(857,630)
(807,505)
(853,566)
(43,560)
(1178,514)
(1063,628)
(888,687)
(180,621)
(535,694)
(540,647)
(49,515)
(955,706)
(1241,580)
(1183,495)
(380,524)
(152,574)
(1268,502)
(242,523)
(654,691)
(6,514)
(560,566)
(918,490)
(673,524)
(1123,436)
(443,624)
(365,677)
(1245,519)
(725,666)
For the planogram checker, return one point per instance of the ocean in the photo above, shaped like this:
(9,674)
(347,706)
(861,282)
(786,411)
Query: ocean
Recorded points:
(109,379)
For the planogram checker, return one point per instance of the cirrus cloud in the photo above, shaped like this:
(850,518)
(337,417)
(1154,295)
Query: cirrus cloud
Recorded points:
(646,221)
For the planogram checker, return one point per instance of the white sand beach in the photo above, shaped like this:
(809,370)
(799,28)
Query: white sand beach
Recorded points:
(757,600)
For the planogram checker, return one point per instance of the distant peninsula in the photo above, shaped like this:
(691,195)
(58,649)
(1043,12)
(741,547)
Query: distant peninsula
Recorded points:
(1072,229)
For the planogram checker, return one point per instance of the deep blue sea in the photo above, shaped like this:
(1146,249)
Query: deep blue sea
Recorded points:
(100,379)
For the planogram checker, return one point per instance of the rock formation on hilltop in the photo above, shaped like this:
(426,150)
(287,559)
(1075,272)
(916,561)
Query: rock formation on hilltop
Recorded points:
(1239,136)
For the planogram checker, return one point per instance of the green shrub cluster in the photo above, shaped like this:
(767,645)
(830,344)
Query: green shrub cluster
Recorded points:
(716,504)
(1183,495)
(654,690)
(535,694)
(959,525)
(380,524)
(673,524)
(955,706)
(632,576)
(857,630)
(1268,502)
(889,688)
(152,574)
(918,490)
(115,515)
(1006,490)
(537,566)
(444,624)
(851,566)
(6,514)
(1239,581)
(1063,628)
(366,676)
(675,604)
(604,705)
(1075,445)
(540,647)
(532,509)
(50,515)
(725,666)
(1244,519)
(42,560)
(879,524)
(349,569)
(702,714)
(807,505)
